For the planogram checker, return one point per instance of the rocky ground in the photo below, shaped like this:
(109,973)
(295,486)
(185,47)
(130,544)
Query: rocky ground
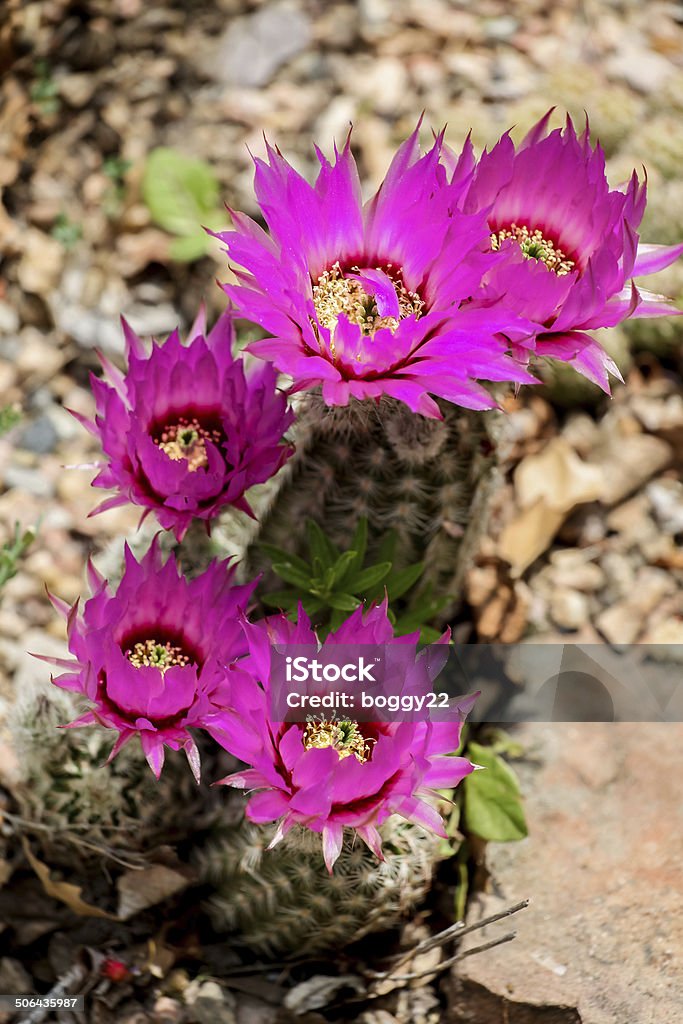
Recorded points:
(585,542)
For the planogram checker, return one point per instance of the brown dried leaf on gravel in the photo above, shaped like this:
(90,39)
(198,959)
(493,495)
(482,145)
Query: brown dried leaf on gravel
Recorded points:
(141,889)
(65,892)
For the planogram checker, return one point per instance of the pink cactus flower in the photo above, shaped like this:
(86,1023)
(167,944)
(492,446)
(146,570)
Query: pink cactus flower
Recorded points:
(331,775)
(571,243)
(154,657)
(186,431)
(371,300)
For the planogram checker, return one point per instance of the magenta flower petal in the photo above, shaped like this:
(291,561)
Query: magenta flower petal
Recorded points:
(151,656)
(186,431)
(570,244)
(309,778)
(356,296)
(652,258)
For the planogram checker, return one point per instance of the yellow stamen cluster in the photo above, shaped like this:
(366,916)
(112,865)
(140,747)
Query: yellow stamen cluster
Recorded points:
(153,654)
(535,246)
(344,736)
(333,293)
(186,439)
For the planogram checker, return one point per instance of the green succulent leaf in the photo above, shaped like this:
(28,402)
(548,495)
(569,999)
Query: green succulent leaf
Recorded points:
(288,599)
(312,604)
(492,799)
(320,546)
(359,544)
(429,635)
(279,555)
(340,569)
(368,578)
(402,580)
(387,548)
(288,572)
(343,602)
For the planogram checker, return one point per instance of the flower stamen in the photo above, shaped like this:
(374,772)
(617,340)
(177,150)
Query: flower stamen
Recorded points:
(535,246)
(334,293)
(154,654)
(186,439)
(343,736)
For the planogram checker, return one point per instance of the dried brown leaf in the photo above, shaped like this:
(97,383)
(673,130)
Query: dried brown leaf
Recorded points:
(65,892)
(558,477)
(529,535)
(141,889)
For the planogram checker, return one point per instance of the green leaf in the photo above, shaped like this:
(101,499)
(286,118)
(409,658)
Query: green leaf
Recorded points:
(291,574)
(340,568)
(280,555)
(387,548)
(368,578)
(187,248)
(11,552)
(320,546)
(428,635)
(9,417)
(336,620)
(312,604)
(343,602)
(359,544)
(288,599)
(425,610)
(179,192)
(403,579)
(493,802)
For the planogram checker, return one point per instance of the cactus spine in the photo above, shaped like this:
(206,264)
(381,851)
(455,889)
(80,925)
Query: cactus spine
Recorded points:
(427,480)
(283,901)
(82,805)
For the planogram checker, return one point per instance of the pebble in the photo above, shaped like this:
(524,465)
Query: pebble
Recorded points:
(77,89)
(41,263)
(588,577)
(642,69)
(620,624)
(9,319)
(629,462)
(37,357)
(666,496)
(32,480)
(569,609)
(39,437)
(252,49)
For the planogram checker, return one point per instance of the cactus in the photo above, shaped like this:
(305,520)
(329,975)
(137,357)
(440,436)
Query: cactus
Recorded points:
(283,901)
(79,802)
(427,480)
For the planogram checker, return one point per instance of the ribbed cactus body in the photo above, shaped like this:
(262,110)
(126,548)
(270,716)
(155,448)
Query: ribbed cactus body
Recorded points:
(68,788)
(284,902)
(425,479)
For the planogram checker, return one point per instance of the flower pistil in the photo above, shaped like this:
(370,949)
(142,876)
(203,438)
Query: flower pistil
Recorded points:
(535,246)
(343,736)
(186,439)
(152,653)
(337,292)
